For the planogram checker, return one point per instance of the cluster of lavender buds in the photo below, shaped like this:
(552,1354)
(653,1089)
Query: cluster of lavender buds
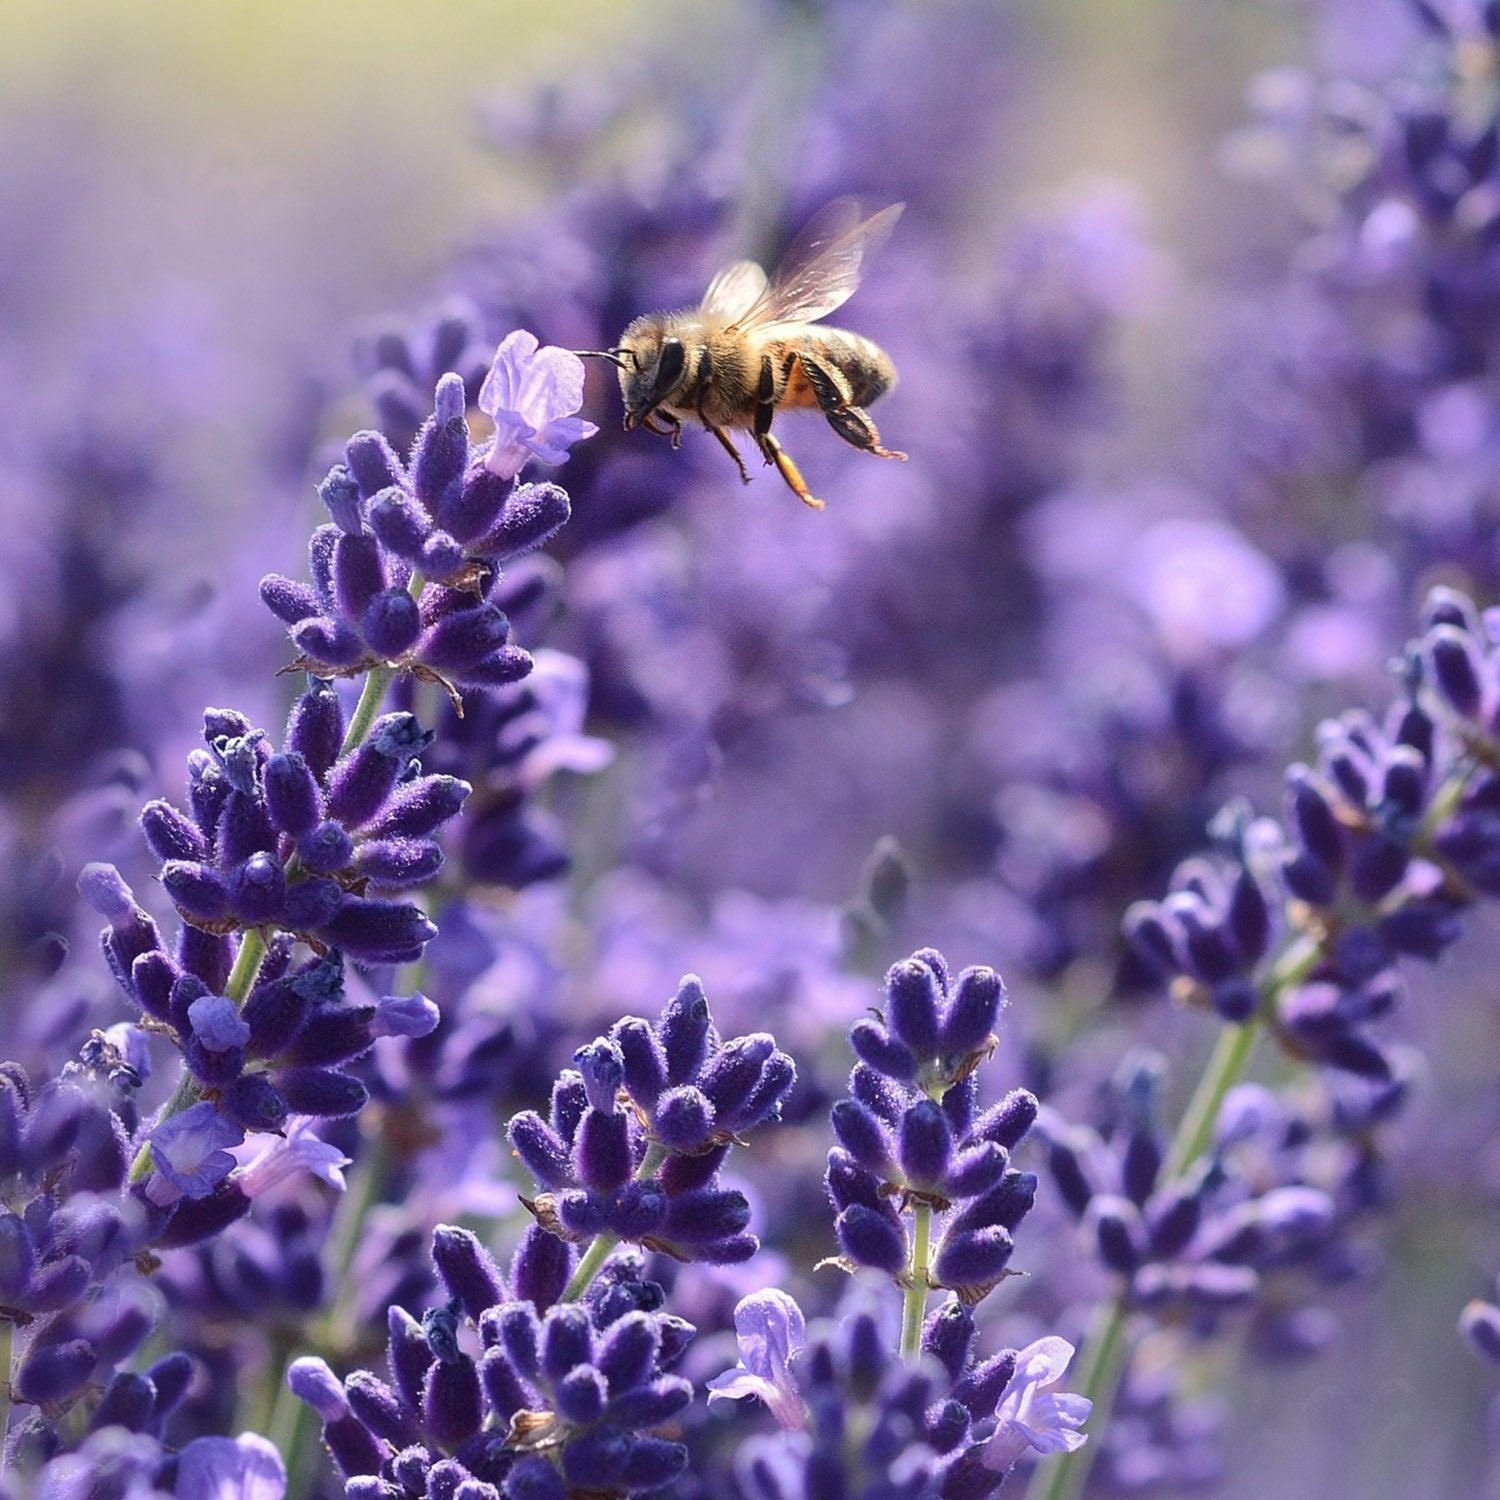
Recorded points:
(913,1142)
(638,1134)
(449,517)
(559,1395)
(1276,1198)
(859,1421)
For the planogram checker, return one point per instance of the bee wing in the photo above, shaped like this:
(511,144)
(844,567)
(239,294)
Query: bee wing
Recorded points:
(821,267)
(734,291)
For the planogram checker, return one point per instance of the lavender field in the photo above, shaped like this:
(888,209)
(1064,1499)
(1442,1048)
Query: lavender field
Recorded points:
(533,970)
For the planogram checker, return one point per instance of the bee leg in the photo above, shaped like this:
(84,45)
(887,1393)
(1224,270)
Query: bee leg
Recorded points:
(852,423)
(765,404)
(776,454)
(727,443)
(672,427)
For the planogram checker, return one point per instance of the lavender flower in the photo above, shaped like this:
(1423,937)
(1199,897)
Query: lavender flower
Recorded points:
(532,396)
(562,1396)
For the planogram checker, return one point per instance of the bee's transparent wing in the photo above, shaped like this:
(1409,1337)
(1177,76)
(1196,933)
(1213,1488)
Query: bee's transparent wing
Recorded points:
(734,291)
(821,268)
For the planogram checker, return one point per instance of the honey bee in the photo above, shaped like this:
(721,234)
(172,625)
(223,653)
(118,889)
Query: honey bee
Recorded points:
(750,349)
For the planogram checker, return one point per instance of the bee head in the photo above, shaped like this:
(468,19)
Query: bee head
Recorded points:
(650,363)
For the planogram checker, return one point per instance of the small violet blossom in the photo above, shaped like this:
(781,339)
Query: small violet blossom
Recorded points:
(191,1151)
(771,1332)
(218,1468)
(532,396)
(1031,1414)
(299,1149)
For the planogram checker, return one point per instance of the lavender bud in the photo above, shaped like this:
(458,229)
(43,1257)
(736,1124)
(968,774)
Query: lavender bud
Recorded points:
(872,1238)
(466,1269)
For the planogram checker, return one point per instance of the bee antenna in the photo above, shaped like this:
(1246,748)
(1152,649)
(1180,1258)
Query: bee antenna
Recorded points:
(612,355)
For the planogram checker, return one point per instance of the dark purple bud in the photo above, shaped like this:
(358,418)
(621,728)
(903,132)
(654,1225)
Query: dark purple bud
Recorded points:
(408,1355)
(542,1151)
(331,1034)
(420,807)
(533,514)
(391,623)
(330,643)
(652,1463)
(595,1461)
(1455,669)
(948,1336)
(862,1135)
(358,574)
(876,1047)
(398,864)
(653,1404)
(197,1219)
(1117,1233)
(315,729)
(580,1395)
(684,1031)
(196,890)
(172,834)
(763,1102)
(981,1388)
(1172,1221)
(540,1268)
(291,793)
(326,848)
(1139,1165)
(355,1450)
(152,976)
(208,955)
(977,1170)
(257,889)
(642,1059)
(972,1012)
(55,1372)
(848,1182)
(1007,1122)
(912,1000)
(463,639)
(127,1402)
(684,1119)
(518,1332)
(466,1269)
(502,1386)
(381,1410)
(244,828)
(441,451)
(372,462)
(291,602)
(1065,1156)
(170,1378)
(706,1215)
(629,1351)
(1316,824)
(507,665)
(973,1258)
(311,1380)
(1236,999)
(340,493)
(400,523)
(1249,917)
(321,1091)
(452,1404)
(924,1144)
(535,1479)
(871,1238)
(567,1341)
(601,1154)
(442,556)
(253,1102)
(372,931)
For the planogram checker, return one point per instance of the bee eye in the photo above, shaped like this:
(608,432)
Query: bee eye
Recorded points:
(668,367)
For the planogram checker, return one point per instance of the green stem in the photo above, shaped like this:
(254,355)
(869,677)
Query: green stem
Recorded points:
(601,1245)
(914,1308)
(7,1337)
(343,1240)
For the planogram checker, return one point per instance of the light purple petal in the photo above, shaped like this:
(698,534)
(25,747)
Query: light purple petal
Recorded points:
(219,1468)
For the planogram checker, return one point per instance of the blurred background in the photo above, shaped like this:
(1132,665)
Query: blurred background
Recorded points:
(1192,427)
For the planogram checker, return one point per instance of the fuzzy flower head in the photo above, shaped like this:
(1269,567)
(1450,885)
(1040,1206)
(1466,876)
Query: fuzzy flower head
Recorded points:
(532,395)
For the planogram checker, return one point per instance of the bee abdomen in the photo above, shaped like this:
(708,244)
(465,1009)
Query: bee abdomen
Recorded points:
(867,368)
